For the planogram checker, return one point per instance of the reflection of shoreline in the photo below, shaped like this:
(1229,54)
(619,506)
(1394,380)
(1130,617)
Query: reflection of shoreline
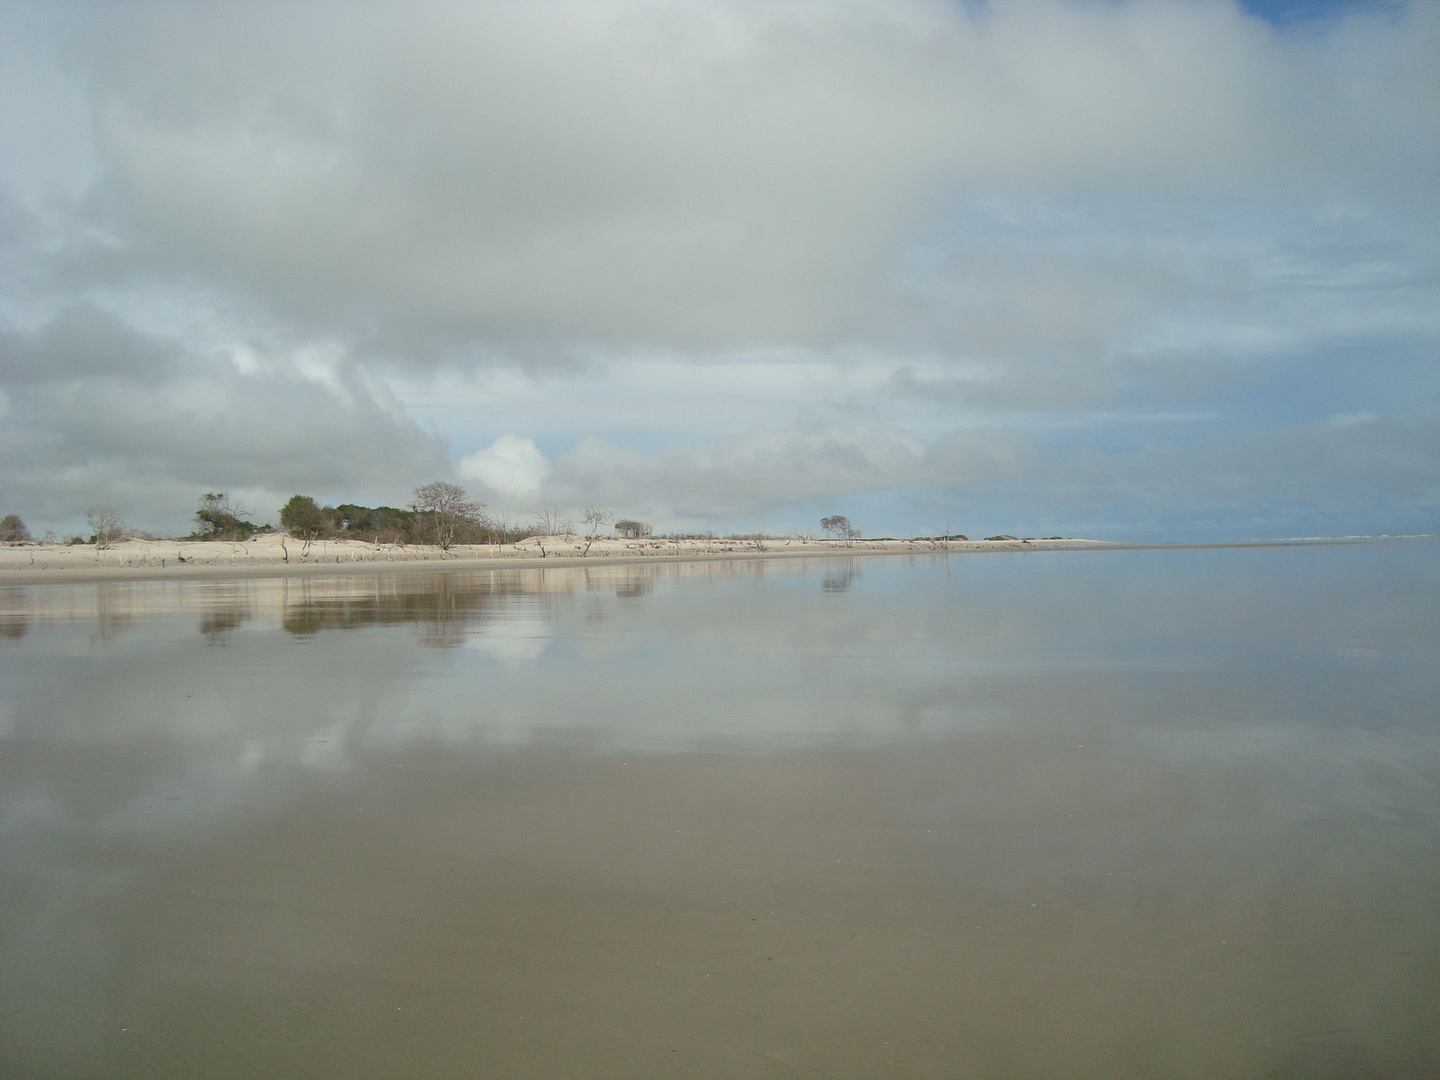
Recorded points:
(444,600)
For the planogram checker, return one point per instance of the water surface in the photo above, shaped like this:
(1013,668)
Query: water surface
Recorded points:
(1109,814)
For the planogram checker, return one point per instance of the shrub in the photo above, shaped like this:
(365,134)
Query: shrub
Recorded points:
(632,530)
(220,519)
(13,530)
(303,517)
(105,525)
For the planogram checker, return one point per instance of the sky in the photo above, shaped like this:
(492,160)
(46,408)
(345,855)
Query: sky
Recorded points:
(1136,270)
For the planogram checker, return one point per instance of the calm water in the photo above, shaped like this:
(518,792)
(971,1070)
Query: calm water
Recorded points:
(1084,814)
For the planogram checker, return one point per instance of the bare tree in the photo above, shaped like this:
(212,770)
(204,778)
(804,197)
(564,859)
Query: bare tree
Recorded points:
(596,518)
(502,525)
(448,510)
(105,526)
(551,521)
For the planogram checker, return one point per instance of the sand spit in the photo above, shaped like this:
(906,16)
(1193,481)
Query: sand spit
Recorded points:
(274,555)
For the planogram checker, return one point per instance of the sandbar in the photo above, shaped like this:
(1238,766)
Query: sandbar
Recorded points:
(274,555)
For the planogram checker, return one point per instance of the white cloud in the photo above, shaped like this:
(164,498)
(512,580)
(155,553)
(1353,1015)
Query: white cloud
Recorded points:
(1350,419)
(767,473)
(510,465)
(514,642)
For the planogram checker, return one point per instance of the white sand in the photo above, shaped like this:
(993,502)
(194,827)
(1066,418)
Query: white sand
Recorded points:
(275,554)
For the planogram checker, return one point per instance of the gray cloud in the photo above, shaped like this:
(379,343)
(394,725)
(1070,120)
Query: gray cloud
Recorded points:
(84,342)
(696,174)
(97,413)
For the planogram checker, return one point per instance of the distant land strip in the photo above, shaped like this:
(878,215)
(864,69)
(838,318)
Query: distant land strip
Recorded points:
(270,556)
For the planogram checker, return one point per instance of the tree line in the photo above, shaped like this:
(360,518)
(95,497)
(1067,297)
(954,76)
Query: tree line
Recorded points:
(439,513)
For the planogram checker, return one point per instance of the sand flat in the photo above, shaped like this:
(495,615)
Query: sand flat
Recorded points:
(154,559)
(1170,812)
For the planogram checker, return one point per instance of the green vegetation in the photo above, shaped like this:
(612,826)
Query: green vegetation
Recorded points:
(306,519)
(632,530)
(377,522)
(303,517)
(441,513)
(218,518)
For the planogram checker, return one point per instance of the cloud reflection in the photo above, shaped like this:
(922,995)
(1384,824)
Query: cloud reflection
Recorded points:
(1169,741)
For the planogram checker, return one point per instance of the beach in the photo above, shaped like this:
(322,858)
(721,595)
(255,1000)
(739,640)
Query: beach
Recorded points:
(843,815)
(276,554)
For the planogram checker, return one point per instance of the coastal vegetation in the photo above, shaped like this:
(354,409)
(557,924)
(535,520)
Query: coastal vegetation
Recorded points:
(441,514)
(220,518)
(838,527)
(106,527)
(632,530)
(13,530)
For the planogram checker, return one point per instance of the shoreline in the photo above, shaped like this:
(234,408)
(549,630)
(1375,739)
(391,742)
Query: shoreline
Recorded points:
(220,560)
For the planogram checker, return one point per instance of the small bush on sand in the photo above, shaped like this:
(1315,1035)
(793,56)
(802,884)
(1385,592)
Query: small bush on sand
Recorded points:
(13,530)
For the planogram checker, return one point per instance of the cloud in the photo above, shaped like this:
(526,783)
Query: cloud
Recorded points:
(1365,475)
(1330,472)
(718,259)
(765,473)
(98,413)
(695,174)
(510,465)
(84,342)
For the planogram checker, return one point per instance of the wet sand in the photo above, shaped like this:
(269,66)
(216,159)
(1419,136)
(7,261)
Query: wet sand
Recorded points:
(714,916)
(860,819)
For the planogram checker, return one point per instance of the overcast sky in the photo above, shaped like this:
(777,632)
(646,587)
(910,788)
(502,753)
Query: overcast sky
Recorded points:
(1163,269)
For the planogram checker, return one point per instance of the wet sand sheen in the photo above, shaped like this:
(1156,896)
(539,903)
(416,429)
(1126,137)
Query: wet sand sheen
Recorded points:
(555,915)
(824,821)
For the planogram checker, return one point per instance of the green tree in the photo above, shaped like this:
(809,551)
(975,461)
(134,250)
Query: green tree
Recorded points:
(220,519)
(374,522)
(305,518)
(632,530)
